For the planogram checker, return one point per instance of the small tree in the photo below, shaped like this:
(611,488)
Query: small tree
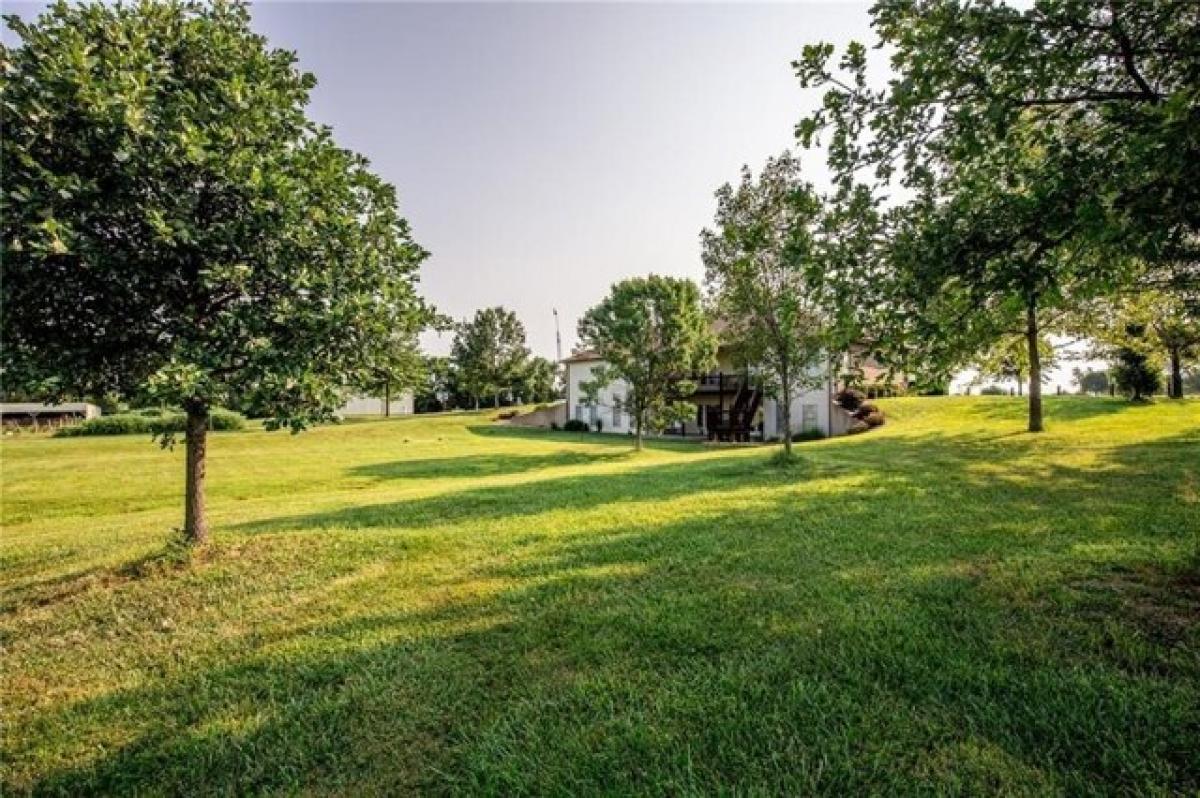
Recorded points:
(1134,373)
(756,261)
(538,381)
(490,352)
(652,333)
(1178,332)
(1090,381)
(1008,359)
(173,224)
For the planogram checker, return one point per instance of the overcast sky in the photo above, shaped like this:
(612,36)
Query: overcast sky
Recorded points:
(544,151)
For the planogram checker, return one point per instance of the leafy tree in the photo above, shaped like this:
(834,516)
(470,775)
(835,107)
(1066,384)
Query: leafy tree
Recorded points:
(403,370)
(1178,332)
(998,255)
(1157,323)
(1121,74)
(538,381)
(1134,373)
(651,333)
(757,262)
(1009,360)
(1191,380)
(1090,381)
(490,352)
(174,225)
(1030,140)
(439,390)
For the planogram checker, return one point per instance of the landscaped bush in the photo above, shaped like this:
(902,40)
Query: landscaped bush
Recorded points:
(807,435)
(864,410)
(992,390)
(873,419)
(857,427)
(575,425)
(850,398)
(140,423)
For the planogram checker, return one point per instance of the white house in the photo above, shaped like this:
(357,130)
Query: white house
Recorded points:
(729,405)
(399,405)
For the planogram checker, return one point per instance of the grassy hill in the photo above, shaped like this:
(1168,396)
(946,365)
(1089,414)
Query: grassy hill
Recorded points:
(440,604)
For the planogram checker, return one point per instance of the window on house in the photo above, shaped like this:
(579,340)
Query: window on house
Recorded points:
(595,413)
(579,411)
(808,417)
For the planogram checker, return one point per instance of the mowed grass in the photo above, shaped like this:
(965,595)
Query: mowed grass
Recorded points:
(445,605)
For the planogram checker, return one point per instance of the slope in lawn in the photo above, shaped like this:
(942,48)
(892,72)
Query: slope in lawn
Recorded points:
(440,604)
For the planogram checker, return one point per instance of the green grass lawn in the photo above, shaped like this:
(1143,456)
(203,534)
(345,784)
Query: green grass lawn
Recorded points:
(439,604)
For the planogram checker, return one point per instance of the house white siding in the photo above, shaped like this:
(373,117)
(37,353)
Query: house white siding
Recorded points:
(608,409)
(402,405)
(810,410)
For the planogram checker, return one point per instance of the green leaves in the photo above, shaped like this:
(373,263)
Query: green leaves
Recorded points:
(653,334)
(174,225)
(490,352)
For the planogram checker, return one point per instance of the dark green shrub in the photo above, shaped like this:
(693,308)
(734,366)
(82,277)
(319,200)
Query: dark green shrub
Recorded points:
(864,410)
(575,425)
(850,398)
(220,420)
(1134,375)
(993,390)
(807,435)
(121,424)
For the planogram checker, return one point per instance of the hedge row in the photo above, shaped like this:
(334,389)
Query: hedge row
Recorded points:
(142,423)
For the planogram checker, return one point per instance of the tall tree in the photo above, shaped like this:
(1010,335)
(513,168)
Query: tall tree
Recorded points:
(757,261)
(538,381)
(1134,370)
(490,352)
(1008,359)
(1120,73)
(172,223)
(652,333)
(1034,140)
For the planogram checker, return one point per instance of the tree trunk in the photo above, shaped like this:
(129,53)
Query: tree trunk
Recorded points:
(195,522)
(1035,367)
(787,420)
(1175,389)
(387,399)
(637,438)
(497,399)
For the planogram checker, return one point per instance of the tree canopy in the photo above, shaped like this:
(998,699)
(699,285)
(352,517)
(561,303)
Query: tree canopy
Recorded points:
(490,353)
(757,263)
(174,225)
(1041,156)
(653,334)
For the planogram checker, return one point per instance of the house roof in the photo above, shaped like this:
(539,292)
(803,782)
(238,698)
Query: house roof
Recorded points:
(582,356)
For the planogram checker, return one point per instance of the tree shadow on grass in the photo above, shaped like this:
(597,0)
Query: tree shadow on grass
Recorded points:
(1056,408)
(917,632)
(603,439)
(480,465)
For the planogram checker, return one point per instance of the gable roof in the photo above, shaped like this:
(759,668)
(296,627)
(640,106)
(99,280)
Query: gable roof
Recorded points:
(582,356)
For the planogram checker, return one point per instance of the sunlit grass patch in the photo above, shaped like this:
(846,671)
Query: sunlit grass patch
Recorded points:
(945,604)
